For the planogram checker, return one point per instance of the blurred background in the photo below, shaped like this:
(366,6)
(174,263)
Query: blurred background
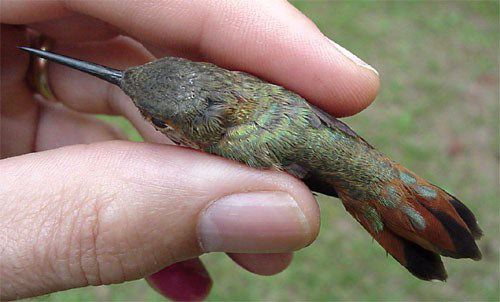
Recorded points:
(437,112)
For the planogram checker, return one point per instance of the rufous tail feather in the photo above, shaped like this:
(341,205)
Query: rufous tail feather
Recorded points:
(420,223)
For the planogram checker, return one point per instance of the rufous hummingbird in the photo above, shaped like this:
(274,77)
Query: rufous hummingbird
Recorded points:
(238,116)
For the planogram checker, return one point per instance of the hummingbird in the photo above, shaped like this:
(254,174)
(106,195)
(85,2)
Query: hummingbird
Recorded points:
(238,116)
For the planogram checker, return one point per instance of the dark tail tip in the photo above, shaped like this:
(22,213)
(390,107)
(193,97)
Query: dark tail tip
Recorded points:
(463,241)
(464,245)
(422,263)
(111,75)
(468,217)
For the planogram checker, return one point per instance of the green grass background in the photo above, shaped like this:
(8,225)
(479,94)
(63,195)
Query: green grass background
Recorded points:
(437,112)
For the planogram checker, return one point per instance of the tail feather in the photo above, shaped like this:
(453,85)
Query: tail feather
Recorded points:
(422,263)
(467,216)
(446,229)
(416,222)
(463,240)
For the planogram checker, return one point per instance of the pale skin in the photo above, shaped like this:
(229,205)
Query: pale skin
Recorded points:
(82,206)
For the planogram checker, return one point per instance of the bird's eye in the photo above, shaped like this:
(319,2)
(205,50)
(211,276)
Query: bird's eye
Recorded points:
(158,123)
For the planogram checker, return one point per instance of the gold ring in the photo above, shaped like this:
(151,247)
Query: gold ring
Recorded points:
(38,76)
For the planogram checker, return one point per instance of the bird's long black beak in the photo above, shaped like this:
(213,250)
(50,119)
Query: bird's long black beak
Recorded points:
(111,75)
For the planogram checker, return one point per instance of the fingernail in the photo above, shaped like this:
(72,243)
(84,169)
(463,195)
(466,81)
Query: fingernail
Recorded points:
(353,57)
(252,223)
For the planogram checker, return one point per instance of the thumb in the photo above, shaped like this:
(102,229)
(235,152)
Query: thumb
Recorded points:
(116,211)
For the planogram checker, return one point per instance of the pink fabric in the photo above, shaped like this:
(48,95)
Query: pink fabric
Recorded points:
(183,281)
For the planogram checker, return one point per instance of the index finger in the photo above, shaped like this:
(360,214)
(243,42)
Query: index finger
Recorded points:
(270,39)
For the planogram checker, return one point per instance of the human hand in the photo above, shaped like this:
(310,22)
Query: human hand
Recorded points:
(105,212)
